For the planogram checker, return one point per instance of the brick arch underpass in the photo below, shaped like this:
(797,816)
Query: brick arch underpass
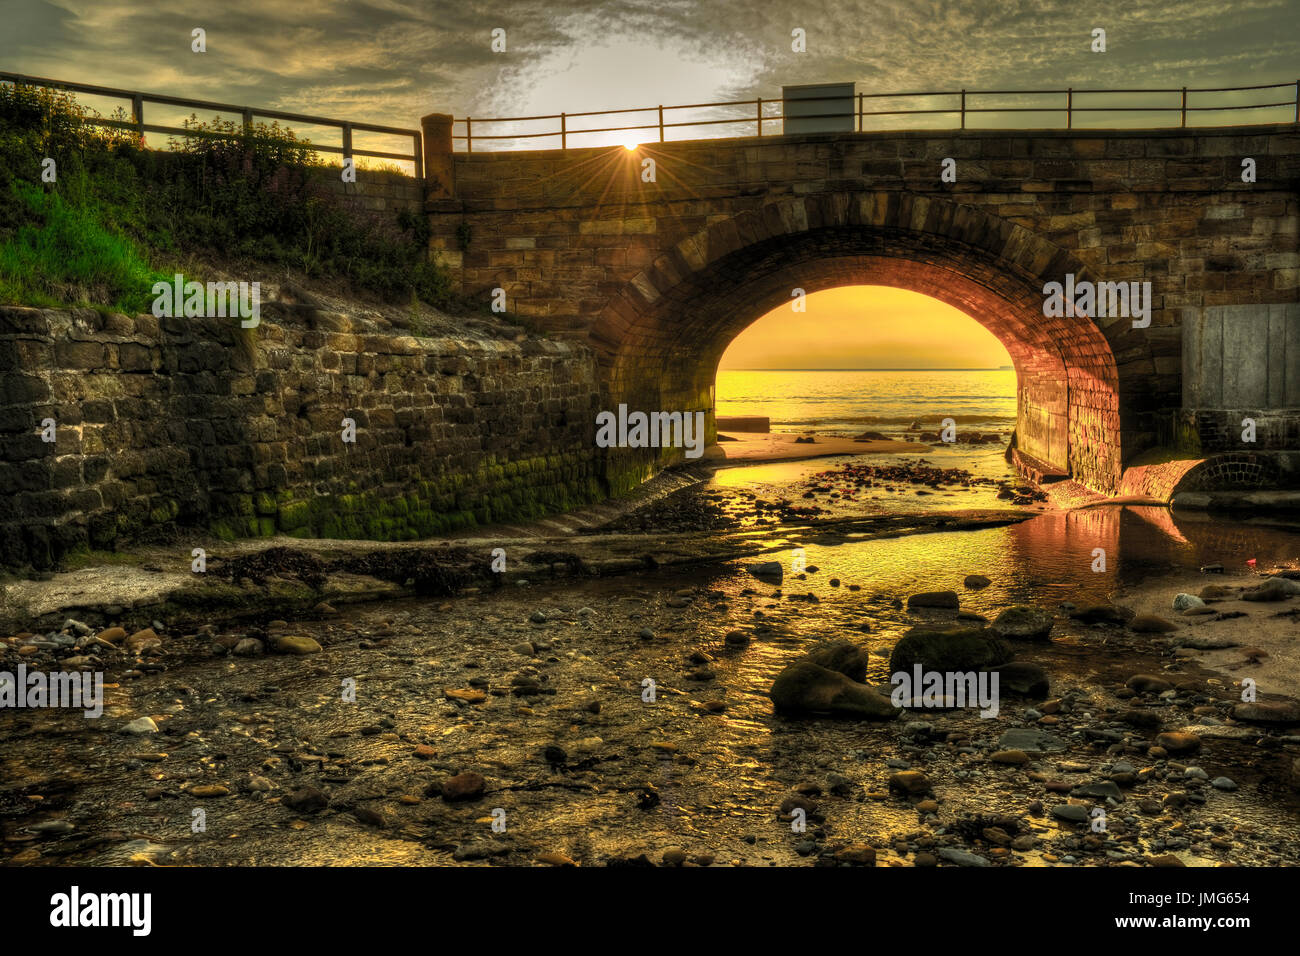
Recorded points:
(661,338)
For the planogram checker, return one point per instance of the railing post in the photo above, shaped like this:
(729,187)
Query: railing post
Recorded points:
(419,156)
(859,112)
(248,121)
(1182,124)
(661,122)
(1297,101)
(564,132)
(760,115)
(439,161)
(347,141)
(1069,108)
(469,135)
(963,108)
(137,108)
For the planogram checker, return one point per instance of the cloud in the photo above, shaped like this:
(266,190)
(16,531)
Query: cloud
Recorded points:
(390,61)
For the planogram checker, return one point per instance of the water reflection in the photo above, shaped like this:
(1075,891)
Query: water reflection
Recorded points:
(1048,558)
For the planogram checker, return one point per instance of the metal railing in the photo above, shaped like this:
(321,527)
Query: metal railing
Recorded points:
(247,113)
(758,112)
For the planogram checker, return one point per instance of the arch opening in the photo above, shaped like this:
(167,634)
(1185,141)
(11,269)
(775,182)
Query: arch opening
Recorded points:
(857,359)
(664,336)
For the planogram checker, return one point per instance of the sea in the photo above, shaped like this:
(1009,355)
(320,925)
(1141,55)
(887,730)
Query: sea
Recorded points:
(850,401)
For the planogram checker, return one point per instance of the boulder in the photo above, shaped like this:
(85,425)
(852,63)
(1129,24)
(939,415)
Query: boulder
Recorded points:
(1274,589)
(1022,622)
(808,688)
(946,599)
(952,649)
(843,656)
(1148,684)
(1280,713)
(1150,624)
(1185,602)
(1216,592)
(1022,679)
(1103,614)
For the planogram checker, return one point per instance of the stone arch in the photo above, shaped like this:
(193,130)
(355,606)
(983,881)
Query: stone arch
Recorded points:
(660,337)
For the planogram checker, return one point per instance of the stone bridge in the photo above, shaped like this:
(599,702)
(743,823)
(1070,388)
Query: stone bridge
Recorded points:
(659,276)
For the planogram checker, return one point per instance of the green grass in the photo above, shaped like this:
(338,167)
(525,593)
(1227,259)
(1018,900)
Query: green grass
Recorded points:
(68,253)
(118,217)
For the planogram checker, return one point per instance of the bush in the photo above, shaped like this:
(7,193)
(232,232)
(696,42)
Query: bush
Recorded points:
(119,215)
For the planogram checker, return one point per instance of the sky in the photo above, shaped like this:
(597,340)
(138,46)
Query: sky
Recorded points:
(866,327)
(393,61)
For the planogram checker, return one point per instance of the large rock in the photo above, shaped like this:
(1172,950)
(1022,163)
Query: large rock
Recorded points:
(843,656)
(1185,602)
(953,649)
(1281,713)
(948,599)
(768,571)
(1103,614)
(1150,624)
(1020,622)
(294,644)
(1022,679)
(808,688)
(1274,589)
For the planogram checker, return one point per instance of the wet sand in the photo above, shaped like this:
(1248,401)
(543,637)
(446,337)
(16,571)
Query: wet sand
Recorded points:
(779,446)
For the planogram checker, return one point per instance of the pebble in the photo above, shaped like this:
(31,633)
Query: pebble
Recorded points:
(295,644)
(1073,812)
(1010,757)
(463,786)
(141,725)
(910,782)
(209,790)
(305,800)
(1175,742)
(960,857)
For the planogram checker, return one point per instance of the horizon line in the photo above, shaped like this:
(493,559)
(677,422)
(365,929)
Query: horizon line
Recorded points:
(883,368)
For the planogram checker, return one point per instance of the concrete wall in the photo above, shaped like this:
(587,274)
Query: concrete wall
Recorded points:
(164,424)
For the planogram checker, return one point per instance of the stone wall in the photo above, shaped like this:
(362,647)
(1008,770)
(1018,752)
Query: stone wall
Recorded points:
(165,424)
(379,191)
